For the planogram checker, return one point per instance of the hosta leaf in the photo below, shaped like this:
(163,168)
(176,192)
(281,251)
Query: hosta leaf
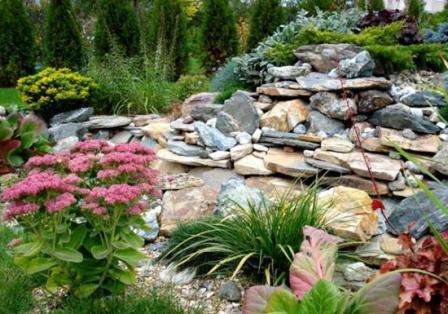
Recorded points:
(381,295)
(323,298)
(282,302)
(130,256)
(28,249)
(85,291)
(125,276)
(68,255)
(100,251)
(256,299)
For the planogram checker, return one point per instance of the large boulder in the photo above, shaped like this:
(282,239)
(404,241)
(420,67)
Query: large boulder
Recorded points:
(349,213)
(238,115)
(197,100)
(424,99)
(326,57)
(398,117)
(413,213)
(332,106)
(73,116)
(285,115)
(361,65)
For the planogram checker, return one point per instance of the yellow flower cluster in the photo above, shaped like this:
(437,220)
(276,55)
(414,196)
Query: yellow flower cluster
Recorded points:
(55,87)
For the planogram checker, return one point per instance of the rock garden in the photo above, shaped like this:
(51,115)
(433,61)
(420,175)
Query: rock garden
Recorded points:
(308,175)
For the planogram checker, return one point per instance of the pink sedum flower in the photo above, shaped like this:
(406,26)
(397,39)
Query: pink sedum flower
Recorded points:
(60,202)
(20,208)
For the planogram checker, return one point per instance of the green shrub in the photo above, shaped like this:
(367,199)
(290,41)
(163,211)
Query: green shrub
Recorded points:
(167,38)
(377,5)
(265,17)
(17,48)
(62,41)
(313,6)
(126,85)
(52,91)
(188,85)
(229,90)
(116,25)
(258,239)
(416,8)
(219,33)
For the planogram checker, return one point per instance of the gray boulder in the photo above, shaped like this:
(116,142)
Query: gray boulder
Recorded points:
(413,213)
(317,123)
(213,138)
(61,131)
(182,149)
(205,112)
(78,115)
(240,115)
(332,106)
(397,117)
(424,99)
(373,100)
(289,72)
(361,65)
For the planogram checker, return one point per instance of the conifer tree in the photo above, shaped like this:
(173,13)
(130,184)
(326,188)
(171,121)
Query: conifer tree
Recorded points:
(167,38)
(266,16)
(415,8)
(117,24)
(62,38)
(371,5)
(17,47)
(219,32)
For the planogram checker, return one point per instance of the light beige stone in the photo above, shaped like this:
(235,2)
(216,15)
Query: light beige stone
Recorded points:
(239,151)
(219,155)
(165,154)
(337,144)
(424,143)
(373,144)
(358,183)
(285,115)
(282,92)
(251,165)
(156,130)
(275,187)
(289,163)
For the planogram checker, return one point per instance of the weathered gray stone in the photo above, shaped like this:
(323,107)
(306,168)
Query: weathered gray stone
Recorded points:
(122,137)
(214,177)
(318,82)
(65,144)
(288,142)
(61,131)
(290,164)
(213,138)
(181,126)
(251,165)
(327,166)
(107,122)
(206,112)
(182,149)
(320,123)
(289,72)
(243,138)
(440,160)
(242,113)
(373,100)
(197,100)
(361,65)
(239,151)
(73,116)
(332,106)
(235,193)
(166,155)
(424,99)
(229,291)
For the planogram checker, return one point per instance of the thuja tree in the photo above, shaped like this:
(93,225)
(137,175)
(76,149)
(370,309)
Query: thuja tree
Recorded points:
(62,41)
(219,33)
(117,24)
(266,16)
(17,48)
(371,5)
(167,38)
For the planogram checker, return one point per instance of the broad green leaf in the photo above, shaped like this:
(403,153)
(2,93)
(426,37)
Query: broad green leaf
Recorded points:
(130,256)
(68,255)
(77,237)
(28,249)
(125,276)
(36,265)
(14,159)
(114,286)
(380,296)
(282,302)
(323,298)
(131,238)
(85,291)
(6,131)
(51,285)
(100,251)
(120,245)
(256,299)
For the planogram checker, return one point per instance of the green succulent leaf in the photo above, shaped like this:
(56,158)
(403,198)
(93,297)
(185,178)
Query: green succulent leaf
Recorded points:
(130,256)
(77,237)
(35,265)
(28,249)
(127,277)
(6,131)
(100,251)
(323,298)
(68,255)
(282,302)
(85,291)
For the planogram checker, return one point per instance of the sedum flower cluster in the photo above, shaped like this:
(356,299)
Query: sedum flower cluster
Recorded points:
(79,208)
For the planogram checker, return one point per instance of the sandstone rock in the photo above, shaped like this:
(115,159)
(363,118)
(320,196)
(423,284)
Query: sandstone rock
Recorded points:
(424,143)
(264,106)
(251,165)
(382,167)
(289,72)
(325,57)
(318,82)
(192,138)
(321,123)
(214,177)
(407,192)
(413,213)
(373,144)
(121,137)
(164,167)
(256,136)
(260,148)
(205,112)
(239,151)
(242,113)
(73,116)
(191,161)
(349,213)
(337,144)
(108,122)
(275,187)
(424,99)
(182,149)
(373,100)
(142,120)
(219,155)
(197,100)
(186,205)
(179,181)
(157,130)
(356,182)
(361,65)
(281,92)
(332,106)
(390,245)
(440,160)
(181,126)
(397,118)
(213,138)
(291,164)
(326,166)
(285,115)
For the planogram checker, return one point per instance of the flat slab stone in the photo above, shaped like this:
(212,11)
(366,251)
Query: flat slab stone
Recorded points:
(291,164)
(288,142)
(251,165)
(192,161)
(157,129)
(108,122)
(423,143)
(326,166)
(319,82)
(282,92)
(353,181)
(179,181)
(73,116)
(214,177)
(182,149)
(122,137)
(275,187)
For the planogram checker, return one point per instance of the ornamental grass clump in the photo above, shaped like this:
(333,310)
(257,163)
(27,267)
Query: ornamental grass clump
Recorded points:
(78,210)
(259,240)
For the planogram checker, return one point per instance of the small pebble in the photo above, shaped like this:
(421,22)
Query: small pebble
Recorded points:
(408,133)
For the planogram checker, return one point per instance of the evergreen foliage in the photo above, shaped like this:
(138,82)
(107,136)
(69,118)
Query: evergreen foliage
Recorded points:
(311,5)
(62,41)
(167,41)
(17,48)
(266,16)
(416,8)
(219,33)
(376,5)
(117,24)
